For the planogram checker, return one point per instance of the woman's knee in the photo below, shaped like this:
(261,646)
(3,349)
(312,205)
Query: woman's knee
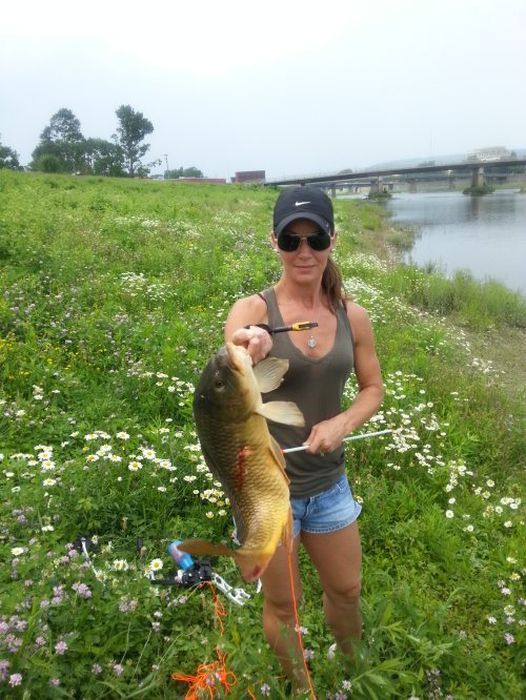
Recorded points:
(346,593)
(282,609)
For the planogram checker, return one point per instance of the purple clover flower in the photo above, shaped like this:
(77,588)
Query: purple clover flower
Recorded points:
(15,679)
(82,590)
(61,647)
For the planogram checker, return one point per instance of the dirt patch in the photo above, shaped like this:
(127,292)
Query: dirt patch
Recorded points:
(506,348)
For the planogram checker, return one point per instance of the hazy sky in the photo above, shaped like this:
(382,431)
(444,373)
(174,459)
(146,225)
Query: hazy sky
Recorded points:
(283,85)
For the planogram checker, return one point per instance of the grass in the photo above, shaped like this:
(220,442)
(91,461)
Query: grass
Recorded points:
(114,295)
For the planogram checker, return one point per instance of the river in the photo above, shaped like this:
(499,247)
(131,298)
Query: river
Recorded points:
(485,235)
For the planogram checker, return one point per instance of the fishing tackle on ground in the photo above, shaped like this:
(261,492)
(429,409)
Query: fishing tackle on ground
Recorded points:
(182,559)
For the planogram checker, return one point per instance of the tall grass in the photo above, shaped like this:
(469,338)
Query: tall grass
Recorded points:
(114,295)
(477,304)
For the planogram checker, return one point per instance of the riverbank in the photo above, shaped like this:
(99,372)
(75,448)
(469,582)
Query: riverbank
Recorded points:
(114,296)
(455,233)
(492,316)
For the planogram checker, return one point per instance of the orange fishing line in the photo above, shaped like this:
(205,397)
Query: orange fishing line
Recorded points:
(297,623)
(210,677)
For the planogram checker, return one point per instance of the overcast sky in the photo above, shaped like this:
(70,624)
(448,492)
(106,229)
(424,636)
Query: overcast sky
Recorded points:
(283,85)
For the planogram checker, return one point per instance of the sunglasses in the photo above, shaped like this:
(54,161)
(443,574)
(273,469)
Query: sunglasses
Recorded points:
(317,241)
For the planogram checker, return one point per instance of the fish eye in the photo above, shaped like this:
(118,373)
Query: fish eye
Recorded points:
(218,384)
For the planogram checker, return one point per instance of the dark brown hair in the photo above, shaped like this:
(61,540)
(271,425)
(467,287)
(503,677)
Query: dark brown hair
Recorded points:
(332,286)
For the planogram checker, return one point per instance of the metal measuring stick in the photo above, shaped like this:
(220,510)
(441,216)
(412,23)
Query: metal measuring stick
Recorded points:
(346,439)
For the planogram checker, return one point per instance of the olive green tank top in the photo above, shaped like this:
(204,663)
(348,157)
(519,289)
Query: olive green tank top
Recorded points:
(316,386)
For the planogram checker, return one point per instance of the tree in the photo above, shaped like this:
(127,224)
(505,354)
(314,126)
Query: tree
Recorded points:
(63,126)
(182,172)
(104,158)
(132,129)
(61,147)
(9,158)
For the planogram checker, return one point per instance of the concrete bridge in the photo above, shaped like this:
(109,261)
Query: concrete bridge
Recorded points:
(478,171)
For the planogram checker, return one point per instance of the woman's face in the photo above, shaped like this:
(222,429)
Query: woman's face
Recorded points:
(304,263)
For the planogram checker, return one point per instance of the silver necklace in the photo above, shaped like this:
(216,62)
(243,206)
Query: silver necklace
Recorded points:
(311,342)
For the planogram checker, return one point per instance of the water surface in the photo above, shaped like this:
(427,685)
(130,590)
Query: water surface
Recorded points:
(485,235)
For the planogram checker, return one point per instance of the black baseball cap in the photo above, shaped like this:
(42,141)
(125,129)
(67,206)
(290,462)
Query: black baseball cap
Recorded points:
(303,203)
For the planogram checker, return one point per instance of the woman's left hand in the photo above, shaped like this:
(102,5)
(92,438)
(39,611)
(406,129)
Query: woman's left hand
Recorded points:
(327,435)
(256,340)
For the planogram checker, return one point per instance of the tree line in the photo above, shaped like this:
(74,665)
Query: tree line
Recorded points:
(64,149)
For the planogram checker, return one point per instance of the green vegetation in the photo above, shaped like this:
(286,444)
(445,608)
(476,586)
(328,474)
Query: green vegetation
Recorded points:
(479,191)
(192,171)
(63,148)
(114,295)
(8,158)
(383,194)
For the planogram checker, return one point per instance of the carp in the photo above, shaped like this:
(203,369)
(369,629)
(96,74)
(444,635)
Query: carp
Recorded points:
(231,422)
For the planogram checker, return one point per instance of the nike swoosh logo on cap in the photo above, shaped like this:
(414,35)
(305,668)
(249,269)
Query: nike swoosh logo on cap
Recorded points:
(298,204)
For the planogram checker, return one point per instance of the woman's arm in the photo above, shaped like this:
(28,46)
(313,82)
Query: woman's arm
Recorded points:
(327,435)
(249,311)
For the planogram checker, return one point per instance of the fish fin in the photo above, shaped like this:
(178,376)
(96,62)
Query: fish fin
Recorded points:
(204,547)
(287,535)
(269,373)
(277,454)
(252,565)
(282,412)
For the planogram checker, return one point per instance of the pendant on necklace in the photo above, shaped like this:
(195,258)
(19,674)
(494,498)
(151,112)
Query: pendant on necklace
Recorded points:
(311,342)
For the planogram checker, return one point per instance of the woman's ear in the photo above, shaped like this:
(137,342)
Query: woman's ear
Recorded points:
(273,242)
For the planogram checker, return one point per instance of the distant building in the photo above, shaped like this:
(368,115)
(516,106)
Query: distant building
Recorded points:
(249,176)
(485,155)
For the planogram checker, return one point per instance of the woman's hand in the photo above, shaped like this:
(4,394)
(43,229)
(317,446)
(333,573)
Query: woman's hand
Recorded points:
(327,435)
(255,340)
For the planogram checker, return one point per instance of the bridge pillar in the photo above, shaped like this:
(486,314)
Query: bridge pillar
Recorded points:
(477,177)
(450,180)
(412,186)
(333,191)
(375,185)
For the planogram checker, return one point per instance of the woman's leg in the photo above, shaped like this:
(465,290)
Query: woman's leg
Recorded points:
(278,612)
(338,556)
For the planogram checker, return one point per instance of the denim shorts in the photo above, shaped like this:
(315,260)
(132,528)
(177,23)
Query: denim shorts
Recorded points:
(328,511)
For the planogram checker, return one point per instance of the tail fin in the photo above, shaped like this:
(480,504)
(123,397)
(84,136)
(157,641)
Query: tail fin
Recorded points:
(252,565)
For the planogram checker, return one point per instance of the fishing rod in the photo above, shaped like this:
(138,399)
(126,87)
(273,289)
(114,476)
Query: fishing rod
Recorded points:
(288,450)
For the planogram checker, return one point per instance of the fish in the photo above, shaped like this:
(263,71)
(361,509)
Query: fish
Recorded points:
(231,423)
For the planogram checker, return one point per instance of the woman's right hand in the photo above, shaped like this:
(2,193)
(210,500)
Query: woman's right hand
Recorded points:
(255,340)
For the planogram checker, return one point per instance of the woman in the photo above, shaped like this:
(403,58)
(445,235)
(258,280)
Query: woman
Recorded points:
(320,362)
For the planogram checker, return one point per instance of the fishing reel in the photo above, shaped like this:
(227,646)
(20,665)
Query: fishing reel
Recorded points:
(194,573)
(198,573)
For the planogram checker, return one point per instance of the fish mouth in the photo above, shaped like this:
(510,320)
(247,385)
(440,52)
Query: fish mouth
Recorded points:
(235,356)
